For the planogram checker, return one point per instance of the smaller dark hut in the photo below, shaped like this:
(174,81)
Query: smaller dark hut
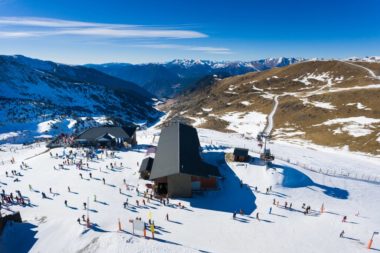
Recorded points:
(241,155)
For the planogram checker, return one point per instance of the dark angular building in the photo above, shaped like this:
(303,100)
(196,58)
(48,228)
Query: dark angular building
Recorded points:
(178,168)
(107,136)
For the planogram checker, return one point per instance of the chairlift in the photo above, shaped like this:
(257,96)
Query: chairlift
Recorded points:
(266,155)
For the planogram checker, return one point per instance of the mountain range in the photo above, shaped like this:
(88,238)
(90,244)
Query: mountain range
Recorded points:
(325,102)
(172,78)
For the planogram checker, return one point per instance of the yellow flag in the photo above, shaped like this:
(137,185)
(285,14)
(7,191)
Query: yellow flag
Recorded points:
(152,228)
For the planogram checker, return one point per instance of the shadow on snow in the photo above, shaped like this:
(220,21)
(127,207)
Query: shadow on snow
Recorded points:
(231,196)
(295,179)
(9,243)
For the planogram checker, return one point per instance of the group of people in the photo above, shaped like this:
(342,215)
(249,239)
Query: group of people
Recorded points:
(75,157)
(11,199)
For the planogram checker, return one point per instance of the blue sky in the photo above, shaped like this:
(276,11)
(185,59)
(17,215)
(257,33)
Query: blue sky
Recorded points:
(96,31)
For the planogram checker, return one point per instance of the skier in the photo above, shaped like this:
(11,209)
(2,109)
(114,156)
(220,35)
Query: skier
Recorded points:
(84,205)
(104,181)
(65,202)
(274,201)
(341,234)
(290,206)
(50,190)
(257,216)
(90,175)
(78,220)
(81,176)
(167,217)
(234,215)
(94,198)
(68,189)
(344,219)
(270,210)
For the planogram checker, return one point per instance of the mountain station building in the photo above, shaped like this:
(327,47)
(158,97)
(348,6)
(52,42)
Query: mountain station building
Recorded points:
(178,168)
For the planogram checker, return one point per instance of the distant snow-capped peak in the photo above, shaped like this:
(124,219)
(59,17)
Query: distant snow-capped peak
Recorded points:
(187,63)
(366,59)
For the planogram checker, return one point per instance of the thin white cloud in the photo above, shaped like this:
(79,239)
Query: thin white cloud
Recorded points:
(160,46)
(133,33)
(4,34)
(11,27)
(43,22)
(212,50)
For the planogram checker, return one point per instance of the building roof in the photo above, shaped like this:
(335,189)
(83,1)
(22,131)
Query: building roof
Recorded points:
(107,132)
(146,164)
(178,152)
(241,152)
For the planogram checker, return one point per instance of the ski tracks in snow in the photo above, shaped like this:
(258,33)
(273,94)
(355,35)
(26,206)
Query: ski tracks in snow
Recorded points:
(269,126)
(372,74)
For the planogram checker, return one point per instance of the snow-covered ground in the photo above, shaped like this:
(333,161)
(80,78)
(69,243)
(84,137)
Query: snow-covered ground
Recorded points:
(27,132)
(206,224)
(319,104)
(354,126)
(269,126)
(250,123)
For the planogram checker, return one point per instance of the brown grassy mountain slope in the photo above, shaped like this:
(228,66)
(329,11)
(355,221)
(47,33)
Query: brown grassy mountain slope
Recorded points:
(330,103)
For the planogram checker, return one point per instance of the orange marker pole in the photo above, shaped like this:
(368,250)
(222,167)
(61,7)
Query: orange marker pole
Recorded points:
(119,225)
(144,232)
(370,244)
